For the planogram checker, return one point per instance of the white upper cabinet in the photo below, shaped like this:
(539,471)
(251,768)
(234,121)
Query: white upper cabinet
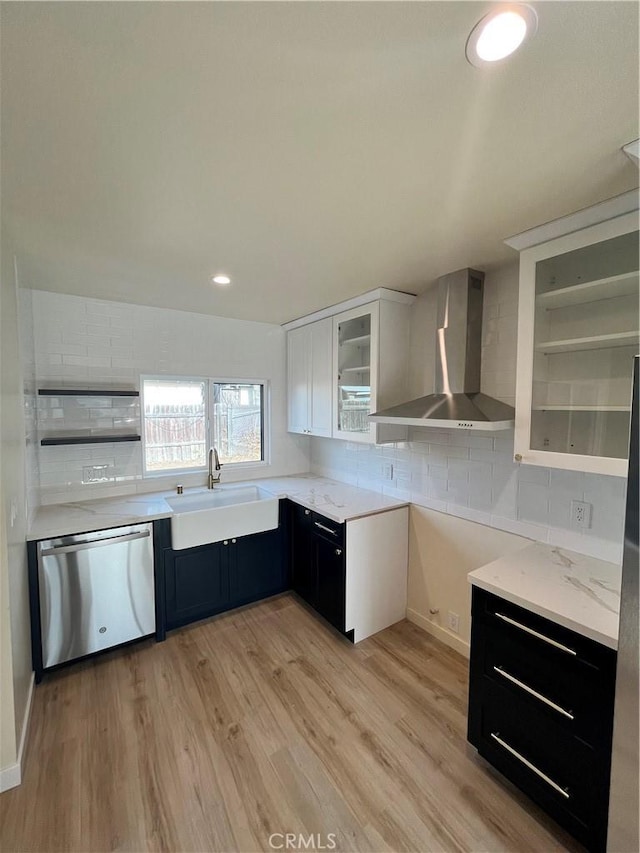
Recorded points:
(578,332)
(355,360)
(309,362)
(348,365)
(370,369)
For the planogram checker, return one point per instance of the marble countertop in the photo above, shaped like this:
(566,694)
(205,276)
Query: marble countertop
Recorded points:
(337,501)
(574,590)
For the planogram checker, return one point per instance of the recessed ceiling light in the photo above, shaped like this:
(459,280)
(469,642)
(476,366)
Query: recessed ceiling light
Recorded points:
(500,33)
(221,279)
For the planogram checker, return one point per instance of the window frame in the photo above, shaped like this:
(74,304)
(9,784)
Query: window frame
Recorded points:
(209,382)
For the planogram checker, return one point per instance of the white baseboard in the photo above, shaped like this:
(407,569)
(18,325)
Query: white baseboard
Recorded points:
(11,776)
(440,633)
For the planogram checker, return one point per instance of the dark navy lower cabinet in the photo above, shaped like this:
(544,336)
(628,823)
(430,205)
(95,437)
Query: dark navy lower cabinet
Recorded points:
(304,573)
(318,563)
(257,567)
(196,583)
(210,579)
(541,711)
(329,558)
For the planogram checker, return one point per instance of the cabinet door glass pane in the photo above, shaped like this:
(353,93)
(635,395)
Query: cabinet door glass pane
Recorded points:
(585,338)
(354,374)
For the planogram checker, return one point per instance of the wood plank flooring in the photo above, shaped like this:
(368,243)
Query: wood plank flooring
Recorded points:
(260,722)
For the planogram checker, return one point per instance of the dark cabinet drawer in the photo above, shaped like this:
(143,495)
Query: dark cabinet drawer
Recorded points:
(541,711)
(540,635)
(556,770)
(546,680)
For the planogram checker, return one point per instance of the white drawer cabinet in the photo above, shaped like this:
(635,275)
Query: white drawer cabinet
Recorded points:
(310,373)
(578,332)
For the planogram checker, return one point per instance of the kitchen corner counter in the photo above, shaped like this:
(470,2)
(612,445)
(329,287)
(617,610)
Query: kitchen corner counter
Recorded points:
(337,501)
(573,590)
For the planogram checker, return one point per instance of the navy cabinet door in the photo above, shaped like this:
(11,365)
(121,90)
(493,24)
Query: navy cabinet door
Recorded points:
(257,567)
(329,559)
(197,583)
(304,570)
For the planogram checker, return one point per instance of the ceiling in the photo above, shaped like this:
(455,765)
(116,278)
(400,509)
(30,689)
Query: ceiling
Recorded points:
(313,151)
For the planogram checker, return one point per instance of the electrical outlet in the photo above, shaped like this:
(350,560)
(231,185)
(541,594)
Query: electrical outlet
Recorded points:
(387,471)
(453,621)
(581,514)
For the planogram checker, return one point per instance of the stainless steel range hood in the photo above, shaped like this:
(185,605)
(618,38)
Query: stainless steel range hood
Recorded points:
(457,402)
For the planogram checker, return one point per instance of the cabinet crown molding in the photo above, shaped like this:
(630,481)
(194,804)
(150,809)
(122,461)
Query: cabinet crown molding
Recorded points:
(609,209)
(356,302)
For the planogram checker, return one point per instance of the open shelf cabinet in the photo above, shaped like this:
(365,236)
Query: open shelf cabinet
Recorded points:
(88,415)
(578,332)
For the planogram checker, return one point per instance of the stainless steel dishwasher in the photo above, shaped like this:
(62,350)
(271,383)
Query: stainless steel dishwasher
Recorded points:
(96,591)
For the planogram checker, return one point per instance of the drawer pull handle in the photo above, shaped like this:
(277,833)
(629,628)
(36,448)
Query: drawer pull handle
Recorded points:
(536,634)
(307,512)
(327,529)
(533,692)
(531,766)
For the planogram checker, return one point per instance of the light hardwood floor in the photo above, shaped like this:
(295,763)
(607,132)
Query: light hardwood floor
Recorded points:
(264,721)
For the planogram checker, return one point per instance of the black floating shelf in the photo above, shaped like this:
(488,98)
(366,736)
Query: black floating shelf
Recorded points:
(85,392)
(87,439)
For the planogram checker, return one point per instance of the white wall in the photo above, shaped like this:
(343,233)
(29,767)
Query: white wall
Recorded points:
(15,650)
(28,364)
(443,549)
(87,341)
(472,475)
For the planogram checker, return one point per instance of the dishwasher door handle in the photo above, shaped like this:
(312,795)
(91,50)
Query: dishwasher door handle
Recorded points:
(95,543)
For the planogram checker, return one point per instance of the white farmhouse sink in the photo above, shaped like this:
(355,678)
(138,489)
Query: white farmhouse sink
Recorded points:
(222,513)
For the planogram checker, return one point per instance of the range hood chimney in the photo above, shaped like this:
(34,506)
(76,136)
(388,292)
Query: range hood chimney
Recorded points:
(457,402)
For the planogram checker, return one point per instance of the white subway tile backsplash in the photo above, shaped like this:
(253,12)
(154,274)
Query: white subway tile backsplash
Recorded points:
(90,341)
(533,474)
(567,481)
(533,502)
(69,350)
(480,455)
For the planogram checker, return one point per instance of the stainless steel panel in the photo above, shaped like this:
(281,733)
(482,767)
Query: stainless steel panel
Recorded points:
(474,408)
(459,332)
(457,402)
(96,591)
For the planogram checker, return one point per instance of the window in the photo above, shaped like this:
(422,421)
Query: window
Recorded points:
(237,421)
(184,417)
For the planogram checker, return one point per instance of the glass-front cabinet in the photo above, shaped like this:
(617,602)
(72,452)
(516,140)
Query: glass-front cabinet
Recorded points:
(343,365)
(356,371)
(577,336)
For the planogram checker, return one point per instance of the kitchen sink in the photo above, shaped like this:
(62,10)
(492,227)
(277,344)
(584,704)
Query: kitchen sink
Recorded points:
(221,513)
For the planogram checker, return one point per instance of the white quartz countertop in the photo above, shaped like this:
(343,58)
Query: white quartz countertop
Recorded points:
(337,501)
(574,590)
